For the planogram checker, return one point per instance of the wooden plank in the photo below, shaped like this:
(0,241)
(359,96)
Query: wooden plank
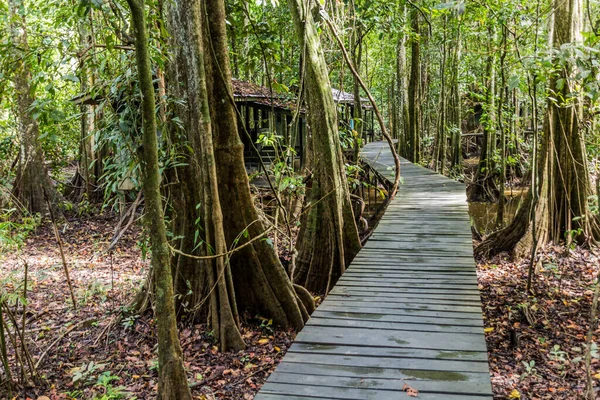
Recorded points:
(381,372)
(405,364)
(452,387)
(408,280)
(390,352)
(352,302)
(422,291)
(391,326)
(366,298)
(470,320)
(365,310)
(375,272)
(418,340)
(446,298)
(421,285)
(345,392)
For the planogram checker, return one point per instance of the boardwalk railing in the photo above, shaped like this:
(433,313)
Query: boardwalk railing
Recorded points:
(370,193)
(407,312)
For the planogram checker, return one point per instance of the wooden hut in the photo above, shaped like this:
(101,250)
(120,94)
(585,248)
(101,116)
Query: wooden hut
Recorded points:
(264,113)
(347,113)
(266,121)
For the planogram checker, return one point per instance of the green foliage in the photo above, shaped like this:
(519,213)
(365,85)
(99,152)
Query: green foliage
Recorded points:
(14,228)
(530,369)
(110,392)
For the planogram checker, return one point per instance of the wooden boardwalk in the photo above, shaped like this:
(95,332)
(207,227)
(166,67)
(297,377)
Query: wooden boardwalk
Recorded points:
(407,310)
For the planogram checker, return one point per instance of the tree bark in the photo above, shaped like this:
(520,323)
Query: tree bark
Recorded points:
(356,51)
(455,110)
(186,27)
(402,119)
(172,380)
(328,238)
(32,178)
(414,93)
(261,283)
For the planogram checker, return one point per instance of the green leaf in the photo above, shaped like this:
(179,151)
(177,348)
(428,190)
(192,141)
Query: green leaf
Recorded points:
(71,77)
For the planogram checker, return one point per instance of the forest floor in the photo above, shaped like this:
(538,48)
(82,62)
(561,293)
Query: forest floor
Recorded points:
(85,361)
(536,344)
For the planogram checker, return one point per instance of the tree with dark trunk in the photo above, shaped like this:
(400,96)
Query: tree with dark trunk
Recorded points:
(328,238)
(413,135)
(213,202)
(32,179)
(172,380)
(186,26)
(402,107)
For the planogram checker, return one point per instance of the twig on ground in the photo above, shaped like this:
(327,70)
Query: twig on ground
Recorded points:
(62,252)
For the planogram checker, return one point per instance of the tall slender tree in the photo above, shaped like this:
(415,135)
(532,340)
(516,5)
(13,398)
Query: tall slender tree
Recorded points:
(172,380)
(414,92)
(32,179)
(328,238)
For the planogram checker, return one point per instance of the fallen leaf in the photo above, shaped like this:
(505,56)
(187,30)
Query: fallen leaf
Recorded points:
(515,394)
(411,392)
(263,341)
(488,330)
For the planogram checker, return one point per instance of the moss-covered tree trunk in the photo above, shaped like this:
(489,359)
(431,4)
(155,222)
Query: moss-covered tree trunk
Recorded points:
(259,281)
(566,164)
(328,238)
(414,93)
(32,178)
(209,276)
(402,118)
(172,380)
(454,111)
(88,164)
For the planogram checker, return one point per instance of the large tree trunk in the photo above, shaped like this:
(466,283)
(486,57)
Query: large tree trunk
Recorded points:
(195,279)
(172,380)
(260,281)
(32,178)
(328,238)
(562,184)
(414,94)
(454,110)
(566,166)
(402,118)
